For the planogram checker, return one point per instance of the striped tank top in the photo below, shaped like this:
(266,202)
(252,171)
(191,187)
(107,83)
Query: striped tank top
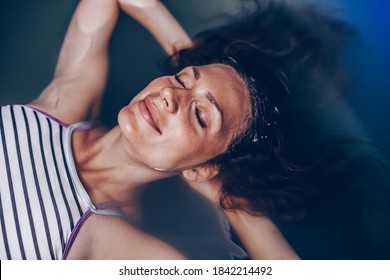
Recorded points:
(42,201)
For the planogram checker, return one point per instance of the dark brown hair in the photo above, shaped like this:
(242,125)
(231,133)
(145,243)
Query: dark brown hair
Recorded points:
(289,57)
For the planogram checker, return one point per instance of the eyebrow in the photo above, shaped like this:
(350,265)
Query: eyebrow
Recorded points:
(210,97)
(195,71)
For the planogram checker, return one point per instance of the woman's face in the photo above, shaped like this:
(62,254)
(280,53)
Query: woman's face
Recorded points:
(187,119)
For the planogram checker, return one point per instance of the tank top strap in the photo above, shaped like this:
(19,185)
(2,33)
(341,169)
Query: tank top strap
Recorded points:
(80,126)
(100,209)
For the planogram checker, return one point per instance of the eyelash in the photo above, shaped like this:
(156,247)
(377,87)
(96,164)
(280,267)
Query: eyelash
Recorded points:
(200,121)
(197,114)
(177,78)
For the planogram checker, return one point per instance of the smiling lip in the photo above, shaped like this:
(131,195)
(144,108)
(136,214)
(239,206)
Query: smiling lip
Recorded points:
(146,109)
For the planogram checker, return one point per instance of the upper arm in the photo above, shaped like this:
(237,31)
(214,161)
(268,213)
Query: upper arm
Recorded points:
(82,68)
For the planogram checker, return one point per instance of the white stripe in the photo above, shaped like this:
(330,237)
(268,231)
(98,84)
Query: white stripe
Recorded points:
(9,215)
(64,220)
(8,209)
(32,188)
(44,187)
(67,146)
(5,197)
(38,216)
(58,200)
(72,167)
(27,233)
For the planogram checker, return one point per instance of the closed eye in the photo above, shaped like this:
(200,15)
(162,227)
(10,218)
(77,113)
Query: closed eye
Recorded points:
(177,78)
(201,122)
(199,118)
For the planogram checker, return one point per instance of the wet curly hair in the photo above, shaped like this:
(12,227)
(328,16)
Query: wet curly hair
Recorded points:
(289,58)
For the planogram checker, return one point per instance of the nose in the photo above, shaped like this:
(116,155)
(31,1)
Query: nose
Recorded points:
(170,99)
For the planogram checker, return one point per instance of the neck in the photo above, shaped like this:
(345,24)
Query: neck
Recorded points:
(107,170)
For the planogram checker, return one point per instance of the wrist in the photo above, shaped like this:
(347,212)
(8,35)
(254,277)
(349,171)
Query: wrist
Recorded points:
(142,4)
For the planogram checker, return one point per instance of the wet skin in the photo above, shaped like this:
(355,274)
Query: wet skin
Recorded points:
(185,119)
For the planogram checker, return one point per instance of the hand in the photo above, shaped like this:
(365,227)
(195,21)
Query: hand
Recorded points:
(154,16)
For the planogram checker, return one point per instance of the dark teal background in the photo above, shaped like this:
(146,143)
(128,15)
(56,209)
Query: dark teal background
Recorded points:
(31,34)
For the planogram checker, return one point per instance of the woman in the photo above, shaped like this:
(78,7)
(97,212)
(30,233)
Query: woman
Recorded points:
(55,175)
(213,122)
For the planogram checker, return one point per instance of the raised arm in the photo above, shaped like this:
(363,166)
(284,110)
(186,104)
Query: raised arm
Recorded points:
(155,17)
(260,237)
(77,87)
(81,72)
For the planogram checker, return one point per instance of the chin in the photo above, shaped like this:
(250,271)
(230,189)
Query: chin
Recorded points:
(126,121)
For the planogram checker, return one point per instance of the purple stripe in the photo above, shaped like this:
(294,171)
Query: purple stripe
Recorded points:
(45,114)
(37,185)
(55,204)
(83,127)
(10,183)
(24,185)
(75,232)
(68,175)
(47,176)
(83,219)
(87,126)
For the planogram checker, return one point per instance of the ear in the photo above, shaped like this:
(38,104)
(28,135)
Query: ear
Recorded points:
(202,173)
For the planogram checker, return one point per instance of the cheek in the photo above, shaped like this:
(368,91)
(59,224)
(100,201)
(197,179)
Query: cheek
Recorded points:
(178,150)
(125,120)
(191,146)
(129,122)
(179,142)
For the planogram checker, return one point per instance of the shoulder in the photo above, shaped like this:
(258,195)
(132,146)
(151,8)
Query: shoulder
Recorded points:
(114,238)
(66,100)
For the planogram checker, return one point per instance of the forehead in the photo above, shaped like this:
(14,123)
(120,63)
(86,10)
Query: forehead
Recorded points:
(232,95)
